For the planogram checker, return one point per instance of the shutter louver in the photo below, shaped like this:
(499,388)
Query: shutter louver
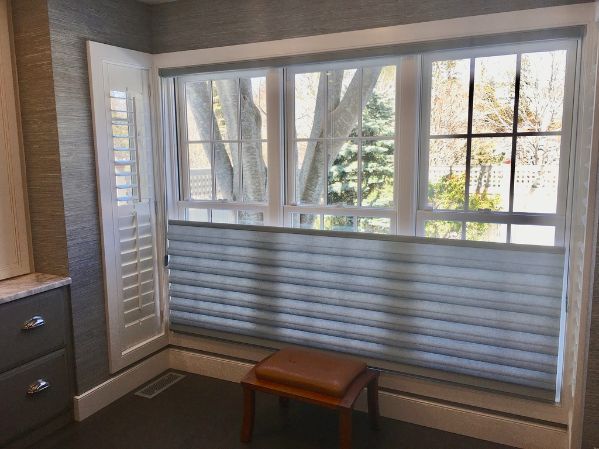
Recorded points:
(136,242)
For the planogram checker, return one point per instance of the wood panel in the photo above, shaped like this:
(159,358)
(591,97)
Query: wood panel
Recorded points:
(14,244)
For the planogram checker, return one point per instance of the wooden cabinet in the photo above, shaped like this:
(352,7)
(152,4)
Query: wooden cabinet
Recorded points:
(14,241)
(36,374)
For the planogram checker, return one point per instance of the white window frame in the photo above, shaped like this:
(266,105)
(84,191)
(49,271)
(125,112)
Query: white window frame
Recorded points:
(291,207)
(409,211)
(557,219)
(273,139)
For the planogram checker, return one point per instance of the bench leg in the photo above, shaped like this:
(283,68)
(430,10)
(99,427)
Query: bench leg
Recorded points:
(249,400)
(373,403)
(283,402)
(345,427)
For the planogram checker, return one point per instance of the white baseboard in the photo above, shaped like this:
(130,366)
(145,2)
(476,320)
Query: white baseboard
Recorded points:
(454,418)
(507,430)
(208,365)
(100,396)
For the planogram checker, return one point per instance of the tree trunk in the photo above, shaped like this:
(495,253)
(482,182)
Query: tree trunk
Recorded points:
(199,98)
(253,167)
(343,116)
(227,97)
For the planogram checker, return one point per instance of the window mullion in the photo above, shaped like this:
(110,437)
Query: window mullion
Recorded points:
(407,101)
(290,141)
(514,141)
(469,138)
(359,142)
(469,142)
(327,141)
(275,148)
(239,144)
(212,145)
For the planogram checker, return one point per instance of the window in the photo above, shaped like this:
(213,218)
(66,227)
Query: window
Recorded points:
(342,146)
(494,148)
(492,144)
(223,143)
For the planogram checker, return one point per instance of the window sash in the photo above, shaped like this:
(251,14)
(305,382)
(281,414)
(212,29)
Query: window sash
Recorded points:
(292,139)
(182,131)
(510,217)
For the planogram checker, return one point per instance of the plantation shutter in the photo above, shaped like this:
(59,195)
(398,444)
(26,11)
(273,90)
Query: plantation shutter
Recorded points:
(481,314)
(128,203)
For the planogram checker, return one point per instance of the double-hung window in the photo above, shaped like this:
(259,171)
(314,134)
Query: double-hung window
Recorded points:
(223,147)
(495,140)
(491,129)
(341,146)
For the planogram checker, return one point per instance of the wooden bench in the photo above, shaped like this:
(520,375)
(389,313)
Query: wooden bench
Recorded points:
(314,377)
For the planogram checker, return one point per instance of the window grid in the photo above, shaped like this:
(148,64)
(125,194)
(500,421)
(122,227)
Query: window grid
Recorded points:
(290,208)
(187,204)
(359,139)
(510,217)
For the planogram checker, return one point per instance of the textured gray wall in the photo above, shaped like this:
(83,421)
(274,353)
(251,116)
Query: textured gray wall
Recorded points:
(124,23)
(40,135)
(590,438)
(190,24)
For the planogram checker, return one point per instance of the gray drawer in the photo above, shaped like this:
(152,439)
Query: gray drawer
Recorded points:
(20,346)
(21,411)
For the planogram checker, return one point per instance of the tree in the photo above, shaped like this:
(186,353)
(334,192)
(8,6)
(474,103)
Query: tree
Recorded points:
(345,91)
(377,161)
(230,167)
(449,194)
(377,168)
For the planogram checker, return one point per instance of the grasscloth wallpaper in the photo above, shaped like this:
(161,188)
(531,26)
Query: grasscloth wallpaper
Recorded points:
(190,24)
(50,40)
(40,135)
(123,23)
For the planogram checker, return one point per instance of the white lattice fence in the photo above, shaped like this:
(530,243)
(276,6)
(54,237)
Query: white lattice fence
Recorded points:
(200,183)
(497,176)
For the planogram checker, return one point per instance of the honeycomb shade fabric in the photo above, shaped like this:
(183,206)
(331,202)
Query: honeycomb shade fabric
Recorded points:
(481,314)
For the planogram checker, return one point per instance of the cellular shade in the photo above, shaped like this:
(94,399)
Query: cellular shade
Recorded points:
(487,314)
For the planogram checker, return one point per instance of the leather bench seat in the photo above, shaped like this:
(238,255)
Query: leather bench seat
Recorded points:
(311,370)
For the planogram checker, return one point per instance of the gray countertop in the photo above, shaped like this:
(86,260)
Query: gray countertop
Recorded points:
(29,284)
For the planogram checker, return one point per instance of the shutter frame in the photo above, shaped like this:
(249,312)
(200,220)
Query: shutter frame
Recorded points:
(127,181)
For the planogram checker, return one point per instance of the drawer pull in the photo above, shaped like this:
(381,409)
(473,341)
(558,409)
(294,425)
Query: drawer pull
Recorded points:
(37,387)
(33,322)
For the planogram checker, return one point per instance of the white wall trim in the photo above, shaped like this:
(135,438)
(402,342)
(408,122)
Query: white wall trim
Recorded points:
(92,401)
(488,24)
(506,430)
(502,429)
(208,365)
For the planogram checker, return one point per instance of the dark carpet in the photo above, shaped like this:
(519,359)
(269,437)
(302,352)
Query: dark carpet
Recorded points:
(204,413)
